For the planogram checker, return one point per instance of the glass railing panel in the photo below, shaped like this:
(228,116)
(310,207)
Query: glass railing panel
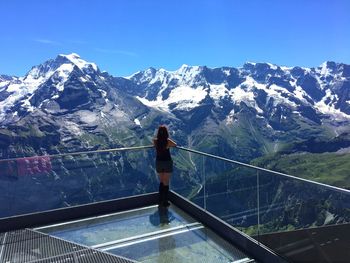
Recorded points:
(41,183)
(233,197)
(292,204)
(300,219)
(187,176)
(227,190)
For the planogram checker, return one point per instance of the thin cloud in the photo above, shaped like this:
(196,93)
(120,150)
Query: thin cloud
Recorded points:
(80,42)
(47,41)
(116,51)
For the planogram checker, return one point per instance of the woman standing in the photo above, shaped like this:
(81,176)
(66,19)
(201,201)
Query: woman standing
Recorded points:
(164,163)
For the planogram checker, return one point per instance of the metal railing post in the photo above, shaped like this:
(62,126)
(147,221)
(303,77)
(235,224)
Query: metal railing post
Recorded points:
(204,185)
(258,202)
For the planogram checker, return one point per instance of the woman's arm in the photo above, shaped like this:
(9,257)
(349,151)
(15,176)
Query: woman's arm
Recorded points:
(171,143)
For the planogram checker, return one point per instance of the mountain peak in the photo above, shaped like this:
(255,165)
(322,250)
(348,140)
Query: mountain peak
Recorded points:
(71,56)
(189,71)
(188,67)
(328,67)
(76,60)
(259,65)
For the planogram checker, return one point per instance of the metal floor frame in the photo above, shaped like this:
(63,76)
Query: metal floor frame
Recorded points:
(28,245)
(15,234)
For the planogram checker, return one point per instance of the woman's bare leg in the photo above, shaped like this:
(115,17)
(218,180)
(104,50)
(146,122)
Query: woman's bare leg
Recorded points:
(164,178)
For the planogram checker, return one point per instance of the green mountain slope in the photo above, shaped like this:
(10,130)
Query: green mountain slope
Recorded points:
(328,168)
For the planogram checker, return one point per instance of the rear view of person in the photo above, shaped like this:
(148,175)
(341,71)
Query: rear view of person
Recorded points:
(164,163)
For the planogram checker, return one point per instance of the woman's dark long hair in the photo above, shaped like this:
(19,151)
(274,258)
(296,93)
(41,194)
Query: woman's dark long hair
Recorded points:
(162,138)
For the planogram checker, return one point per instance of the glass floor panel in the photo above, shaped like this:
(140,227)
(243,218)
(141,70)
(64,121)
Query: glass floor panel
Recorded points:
(192,245)
(103,229)
(149,235)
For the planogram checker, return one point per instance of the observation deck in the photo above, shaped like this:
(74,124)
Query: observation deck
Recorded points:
(101,206)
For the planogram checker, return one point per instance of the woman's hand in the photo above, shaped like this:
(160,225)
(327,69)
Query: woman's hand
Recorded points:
(171,143)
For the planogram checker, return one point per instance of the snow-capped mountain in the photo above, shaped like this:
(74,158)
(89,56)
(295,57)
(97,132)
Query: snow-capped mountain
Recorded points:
(45,83)
(325,89)
(65,101)
(245,112)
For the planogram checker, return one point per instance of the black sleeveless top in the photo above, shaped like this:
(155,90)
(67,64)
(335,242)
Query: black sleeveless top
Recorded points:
(163,155)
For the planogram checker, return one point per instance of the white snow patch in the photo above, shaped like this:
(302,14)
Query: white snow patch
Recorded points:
(137,122)
(227,72)
(103,93)
(80,63)
(63,72)
(284,68)
(244,93)
(269,126)
(83,79)
(238,95)
(187,74)
(33,78)
(73,127)
(131,76)
(324,69)
(218,91)
(300,94)
(275,92)
(88,116)
(160,76)
(3,84)
(251,83)
(329,217)
(27,105)
(330,110)
(44,101)
(18,91)
(272,66)
(185,97)
(229,118)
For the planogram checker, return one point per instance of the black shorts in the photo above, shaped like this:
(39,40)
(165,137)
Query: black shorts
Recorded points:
(164,166)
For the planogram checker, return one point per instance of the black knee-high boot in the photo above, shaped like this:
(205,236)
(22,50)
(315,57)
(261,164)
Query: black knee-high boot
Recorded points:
(161,193)
(166,194)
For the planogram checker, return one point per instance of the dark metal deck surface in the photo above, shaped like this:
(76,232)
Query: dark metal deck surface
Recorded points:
(22,246)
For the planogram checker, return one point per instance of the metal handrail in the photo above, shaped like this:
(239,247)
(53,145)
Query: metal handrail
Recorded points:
(345,191)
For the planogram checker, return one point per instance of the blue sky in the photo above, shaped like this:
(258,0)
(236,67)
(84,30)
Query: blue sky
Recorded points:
(123,37)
